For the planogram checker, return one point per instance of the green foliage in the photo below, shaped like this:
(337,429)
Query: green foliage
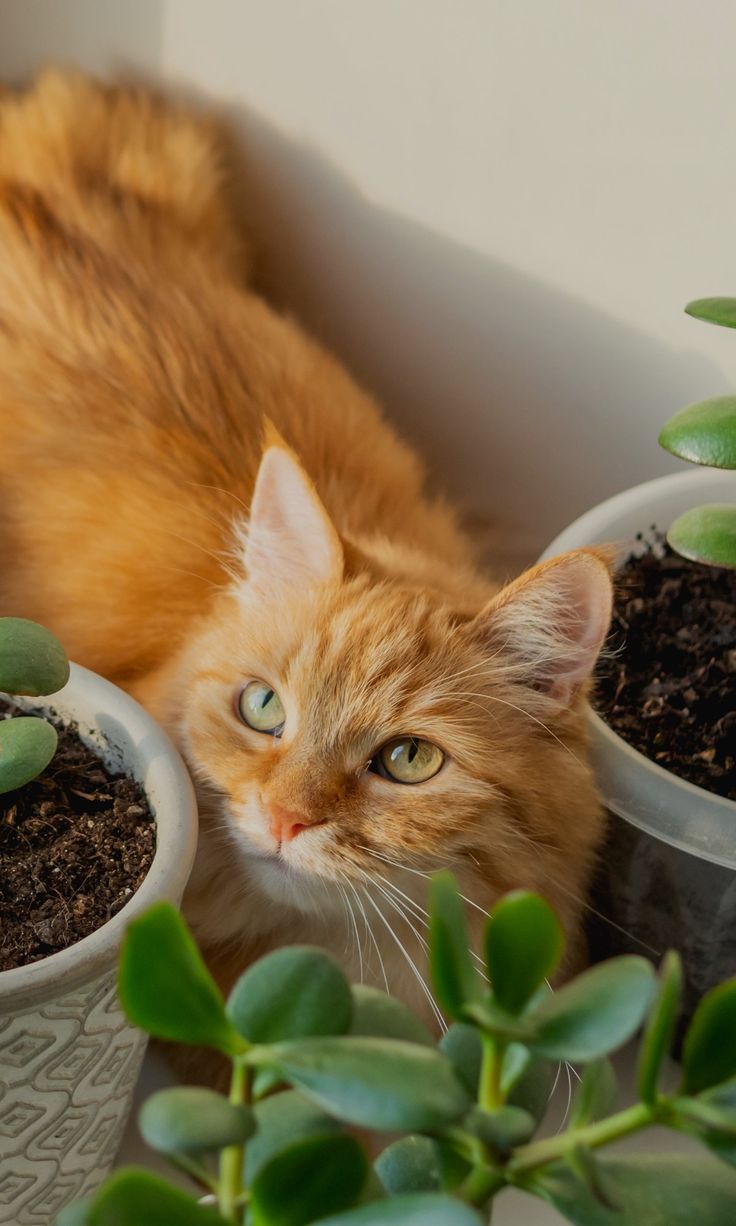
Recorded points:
(661,1190)
(721,311)
(314,1177)
(660,1027)
(706,534)
(596,1094)
(383,1084)
(27,745)
(32,662)
(281,1121)
(466,1111)
(382,1016)
(261,1005)
(193,1120)
(456,981)
(165,987)
(709,1052)
(412,1164)
(524,942)
(596,1013)
(132,1197)
(705,433)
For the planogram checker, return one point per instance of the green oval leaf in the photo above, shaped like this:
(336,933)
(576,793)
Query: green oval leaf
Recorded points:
(706,534)
(165,987)
(596,1094)
(528,1081)
(504,1128)
(191,1119)
(456,981)
(32,660)
(463,1048)
(524,942)
(660,1027)
(709,1050)
(281,1121)
(134,1197)
(382,1016)
(420,1210)
(314,1177)
(411,1164)
(653,1190)
(703,433)
(377,1083)
(721,311)
(293,992)
(27,745)
(596,1013)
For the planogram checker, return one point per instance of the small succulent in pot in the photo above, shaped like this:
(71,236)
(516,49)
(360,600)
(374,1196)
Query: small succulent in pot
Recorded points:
(32,663)
(705,433)
(312,1056)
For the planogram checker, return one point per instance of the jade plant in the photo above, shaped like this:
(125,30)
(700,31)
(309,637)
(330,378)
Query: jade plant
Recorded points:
(32,663)
(312,1056)
(705,433)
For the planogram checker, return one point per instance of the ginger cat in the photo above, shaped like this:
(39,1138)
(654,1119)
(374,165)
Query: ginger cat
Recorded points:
(358,705)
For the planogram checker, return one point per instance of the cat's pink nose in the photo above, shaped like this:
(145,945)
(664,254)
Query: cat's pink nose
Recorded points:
(285,824)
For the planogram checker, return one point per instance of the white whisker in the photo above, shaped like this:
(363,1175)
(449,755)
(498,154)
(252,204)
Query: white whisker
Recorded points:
(410,961)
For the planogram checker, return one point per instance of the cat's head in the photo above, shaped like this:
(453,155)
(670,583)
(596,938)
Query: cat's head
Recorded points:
(350,721)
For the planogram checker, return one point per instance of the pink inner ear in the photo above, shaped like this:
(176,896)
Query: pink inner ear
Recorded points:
(553,621)
(584,589)
(290,540)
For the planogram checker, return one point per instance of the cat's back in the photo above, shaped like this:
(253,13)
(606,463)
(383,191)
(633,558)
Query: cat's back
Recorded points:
(136,368)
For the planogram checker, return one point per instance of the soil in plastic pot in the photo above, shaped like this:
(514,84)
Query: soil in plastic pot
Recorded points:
(75,845)
(666,682)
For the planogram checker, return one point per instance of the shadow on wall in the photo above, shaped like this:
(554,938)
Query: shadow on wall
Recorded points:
(524,399)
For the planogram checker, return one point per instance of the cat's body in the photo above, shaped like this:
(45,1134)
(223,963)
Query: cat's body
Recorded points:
(136,371)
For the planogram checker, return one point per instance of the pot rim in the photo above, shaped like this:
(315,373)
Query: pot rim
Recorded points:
(633,787)
(125,732)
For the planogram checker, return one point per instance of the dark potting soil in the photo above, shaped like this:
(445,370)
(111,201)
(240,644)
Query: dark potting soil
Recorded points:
(75,845)
(667,683)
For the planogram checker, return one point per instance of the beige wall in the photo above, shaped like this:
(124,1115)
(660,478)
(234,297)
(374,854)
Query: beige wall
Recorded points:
(495,209)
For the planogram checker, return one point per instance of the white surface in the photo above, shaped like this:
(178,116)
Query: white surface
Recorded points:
(512,1208)
(494,209)
(632,786)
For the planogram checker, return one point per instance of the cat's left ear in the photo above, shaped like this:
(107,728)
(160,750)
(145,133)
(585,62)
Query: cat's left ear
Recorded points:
(290,539)
(549,625)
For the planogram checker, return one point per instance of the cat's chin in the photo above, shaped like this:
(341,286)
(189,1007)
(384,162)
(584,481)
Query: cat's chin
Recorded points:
(291,886)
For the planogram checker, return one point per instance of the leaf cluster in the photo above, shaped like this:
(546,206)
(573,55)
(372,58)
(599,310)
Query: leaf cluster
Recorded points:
(32,662)
(705,433)
(312,1056)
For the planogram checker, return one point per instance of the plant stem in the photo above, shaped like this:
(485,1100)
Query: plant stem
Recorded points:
(490,1094)
(232,1158)
(538,1153)
(480,1184)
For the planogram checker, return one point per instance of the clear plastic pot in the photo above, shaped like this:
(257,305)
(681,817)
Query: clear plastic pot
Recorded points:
(668,871)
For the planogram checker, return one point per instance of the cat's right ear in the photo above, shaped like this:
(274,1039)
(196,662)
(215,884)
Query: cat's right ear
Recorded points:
(290,541)
(550,623)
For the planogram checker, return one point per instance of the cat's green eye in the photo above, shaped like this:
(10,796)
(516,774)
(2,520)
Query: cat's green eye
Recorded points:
(260,707)
(409,759)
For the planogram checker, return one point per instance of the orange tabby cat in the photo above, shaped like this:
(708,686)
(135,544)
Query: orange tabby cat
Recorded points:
(357,703)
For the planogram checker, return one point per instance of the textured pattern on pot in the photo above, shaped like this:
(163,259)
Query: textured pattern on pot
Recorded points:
(68,1058)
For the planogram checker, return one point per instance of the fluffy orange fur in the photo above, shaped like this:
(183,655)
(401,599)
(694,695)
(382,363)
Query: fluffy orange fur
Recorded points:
(136,371)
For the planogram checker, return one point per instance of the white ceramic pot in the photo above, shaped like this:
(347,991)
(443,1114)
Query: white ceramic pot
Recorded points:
(668,872)
(68,1058)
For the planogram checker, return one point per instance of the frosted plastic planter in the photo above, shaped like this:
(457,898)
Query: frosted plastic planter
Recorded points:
(68,1058)
(668,872)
